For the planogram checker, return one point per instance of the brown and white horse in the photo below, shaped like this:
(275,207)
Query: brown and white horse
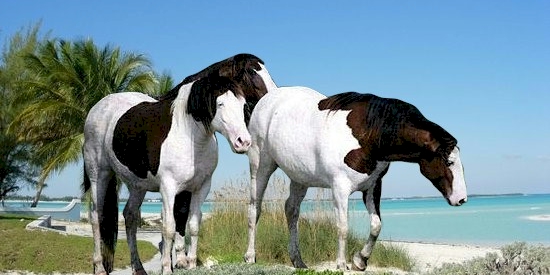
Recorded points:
(165,145)
(346,143)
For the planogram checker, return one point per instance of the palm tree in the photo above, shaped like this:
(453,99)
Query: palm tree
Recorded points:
(68,79)
(165,83)
(17,165)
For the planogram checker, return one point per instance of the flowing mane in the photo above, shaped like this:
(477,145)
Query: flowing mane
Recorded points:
(201,104)
(384,118)
(241,68)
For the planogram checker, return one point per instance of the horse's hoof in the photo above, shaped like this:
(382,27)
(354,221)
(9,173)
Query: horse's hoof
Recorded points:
(191,262)
(250,258)
(342,267)
(140,271)
(299,264)
(358,263)
(102,273)
(182,264)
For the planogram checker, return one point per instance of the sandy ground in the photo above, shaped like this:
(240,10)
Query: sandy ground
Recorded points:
(426,255)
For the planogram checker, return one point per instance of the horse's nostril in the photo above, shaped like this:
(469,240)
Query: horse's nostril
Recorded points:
(241,142)
(462,201)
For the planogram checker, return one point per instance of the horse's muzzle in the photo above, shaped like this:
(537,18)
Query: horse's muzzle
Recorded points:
(241,145)
(457,203)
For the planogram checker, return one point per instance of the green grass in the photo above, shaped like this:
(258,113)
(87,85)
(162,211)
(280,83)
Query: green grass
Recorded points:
(47,252)
(224,237)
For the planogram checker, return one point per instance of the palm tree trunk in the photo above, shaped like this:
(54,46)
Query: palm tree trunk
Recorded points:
(39,188)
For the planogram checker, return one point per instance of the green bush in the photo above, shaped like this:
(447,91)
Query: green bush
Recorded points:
(515,259)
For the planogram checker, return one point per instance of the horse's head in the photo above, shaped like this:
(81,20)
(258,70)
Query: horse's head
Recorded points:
(428,144)
(246,70)
(393,130)
(218,102)
(446,173)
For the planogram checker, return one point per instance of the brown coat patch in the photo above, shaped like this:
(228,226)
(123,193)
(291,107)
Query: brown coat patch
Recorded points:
(387,130)
(139,134)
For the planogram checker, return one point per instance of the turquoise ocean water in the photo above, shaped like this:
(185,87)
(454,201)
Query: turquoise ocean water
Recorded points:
(484,220)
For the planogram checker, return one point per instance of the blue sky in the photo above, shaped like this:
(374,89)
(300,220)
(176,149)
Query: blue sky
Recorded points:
(480,69)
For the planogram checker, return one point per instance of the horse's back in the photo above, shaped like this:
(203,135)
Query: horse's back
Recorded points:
(308,144)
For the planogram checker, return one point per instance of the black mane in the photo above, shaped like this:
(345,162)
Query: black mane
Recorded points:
(201,104)
(241,68)
(385,117)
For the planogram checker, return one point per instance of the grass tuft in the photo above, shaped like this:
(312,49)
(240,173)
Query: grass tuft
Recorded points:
(224,234)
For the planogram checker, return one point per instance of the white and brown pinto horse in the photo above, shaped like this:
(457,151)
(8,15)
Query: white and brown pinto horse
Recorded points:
(165,145)
(346,143)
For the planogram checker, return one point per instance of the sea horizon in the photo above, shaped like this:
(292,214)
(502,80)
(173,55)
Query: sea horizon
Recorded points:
(487,220)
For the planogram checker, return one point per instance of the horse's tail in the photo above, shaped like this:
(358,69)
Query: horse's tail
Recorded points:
(86,184)
(108,220)
(108,224)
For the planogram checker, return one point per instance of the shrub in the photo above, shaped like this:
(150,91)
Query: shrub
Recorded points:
(517,259)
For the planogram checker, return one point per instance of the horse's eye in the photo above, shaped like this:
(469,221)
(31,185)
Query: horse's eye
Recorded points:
(220,104)
(449,163)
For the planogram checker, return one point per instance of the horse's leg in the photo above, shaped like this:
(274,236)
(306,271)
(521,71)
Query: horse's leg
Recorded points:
(104,241)
(132,218)
(168,192)
(181,214)
(197,198)
(261,168)
(371,198)
(292,211)
(341,196)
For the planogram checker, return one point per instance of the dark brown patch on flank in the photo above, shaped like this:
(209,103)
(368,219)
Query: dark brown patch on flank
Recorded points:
(388,130)
(139,134)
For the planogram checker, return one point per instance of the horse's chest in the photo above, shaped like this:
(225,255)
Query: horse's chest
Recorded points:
(181,162)
(186,161)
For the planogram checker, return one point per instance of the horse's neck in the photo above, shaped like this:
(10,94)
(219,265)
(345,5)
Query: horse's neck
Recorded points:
(266,77)
(184,123)
(403,150)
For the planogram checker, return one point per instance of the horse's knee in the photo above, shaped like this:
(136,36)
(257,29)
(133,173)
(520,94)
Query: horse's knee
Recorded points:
(375,225)
(130,215)
(194,227)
